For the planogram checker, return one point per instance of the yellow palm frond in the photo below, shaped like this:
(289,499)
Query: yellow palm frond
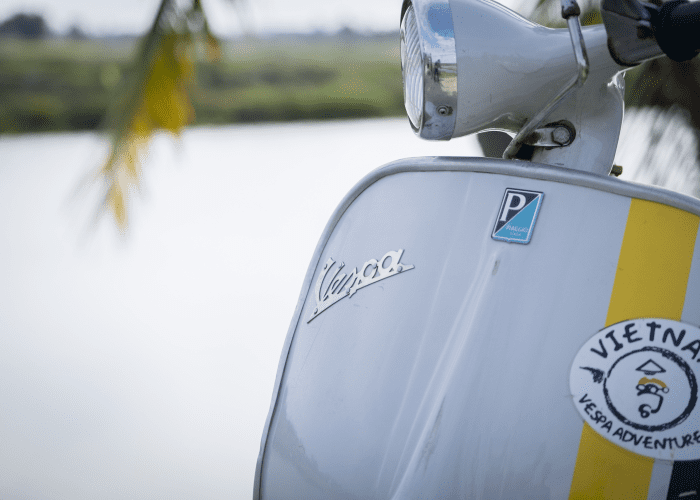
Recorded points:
(157,98)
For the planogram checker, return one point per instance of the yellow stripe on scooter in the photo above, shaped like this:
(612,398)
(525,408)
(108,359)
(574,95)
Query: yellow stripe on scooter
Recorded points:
(650,281)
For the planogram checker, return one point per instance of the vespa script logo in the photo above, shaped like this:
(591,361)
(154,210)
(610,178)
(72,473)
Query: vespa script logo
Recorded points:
(517,215)
(636,384)
(346,285)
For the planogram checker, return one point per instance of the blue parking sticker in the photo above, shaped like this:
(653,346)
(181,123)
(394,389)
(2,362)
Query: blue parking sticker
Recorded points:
(517,216)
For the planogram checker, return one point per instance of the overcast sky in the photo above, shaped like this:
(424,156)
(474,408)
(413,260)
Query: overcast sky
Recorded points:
(134,16)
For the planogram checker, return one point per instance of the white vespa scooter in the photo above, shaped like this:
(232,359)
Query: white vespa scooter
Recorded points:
(501,329)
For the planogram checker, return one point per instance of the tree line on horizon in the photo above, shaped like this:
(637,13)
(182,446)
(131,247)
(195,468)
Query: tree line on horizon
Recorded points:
(28,26)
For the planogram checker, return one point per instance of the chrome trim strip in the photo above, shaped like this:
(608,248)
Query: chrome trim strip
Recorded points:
(515,168)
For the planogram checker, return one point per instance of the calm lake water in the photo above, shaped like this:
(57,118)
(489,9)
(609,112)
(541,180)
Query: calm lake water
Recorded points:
(142,367)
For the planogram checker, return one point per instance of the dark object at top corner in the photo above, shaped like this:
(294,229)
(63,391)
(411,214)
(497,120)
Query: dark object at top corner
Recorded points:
(677,29)
(638,31)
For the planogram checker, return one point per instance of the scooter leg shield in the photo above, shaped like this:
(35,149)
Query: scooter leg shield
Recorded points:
(433,352)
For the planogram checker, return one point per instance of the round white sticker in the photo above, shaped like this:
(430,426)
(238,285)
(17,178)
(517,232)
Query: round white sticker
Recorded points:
(636,384)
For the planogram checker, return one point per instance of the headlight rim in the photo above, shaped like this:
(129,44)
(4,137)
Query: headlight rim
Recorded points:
(414,97)
(438,57)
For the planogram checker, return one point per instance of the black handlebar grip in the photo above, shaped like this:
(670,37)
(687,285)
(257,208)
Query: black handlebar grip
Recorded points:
(677,29)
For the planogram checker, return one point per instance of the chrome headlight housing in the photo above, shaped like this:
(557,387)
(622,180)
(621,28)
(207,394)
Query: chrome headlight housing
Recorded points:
(429,67)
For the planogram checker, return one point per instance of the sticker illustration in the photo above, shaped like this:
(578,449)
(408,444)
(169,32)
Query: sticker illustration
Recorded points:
(517,215)
(636,384)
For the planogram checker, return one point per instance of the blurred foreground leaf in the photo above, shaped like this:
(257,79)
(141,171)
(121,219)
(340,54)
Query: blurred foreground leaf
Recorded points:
(157,98)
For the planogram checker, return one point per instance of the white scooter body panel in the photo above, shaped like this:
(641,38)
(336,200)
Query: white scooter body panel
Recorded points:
(449,379)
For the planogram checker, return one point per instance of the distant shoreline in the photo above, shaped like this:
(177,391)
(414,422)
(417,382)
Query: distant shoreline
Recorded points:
(57,84)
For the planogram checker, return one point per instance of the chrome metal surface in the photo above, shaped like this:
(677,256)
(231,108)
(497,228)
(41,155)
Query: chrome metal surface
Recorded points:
(329,368)
(569,8)
(510,69)
(579,45)
(577,81)
(438,59)
(594,110)
(562,135)
(553,137)
(347,285)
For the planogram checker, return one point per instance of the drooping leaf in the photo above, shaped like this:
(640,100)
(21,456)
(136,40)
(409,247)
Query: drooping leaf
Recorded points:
(157,98)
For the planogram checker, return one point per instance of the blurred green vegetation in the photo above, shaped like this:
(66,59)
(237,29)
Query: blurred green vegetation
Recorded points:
(64,84)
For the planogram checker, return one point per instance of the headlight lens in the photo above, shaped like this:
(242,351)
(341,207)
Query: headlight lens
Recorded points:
(412,68)
(429,67)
